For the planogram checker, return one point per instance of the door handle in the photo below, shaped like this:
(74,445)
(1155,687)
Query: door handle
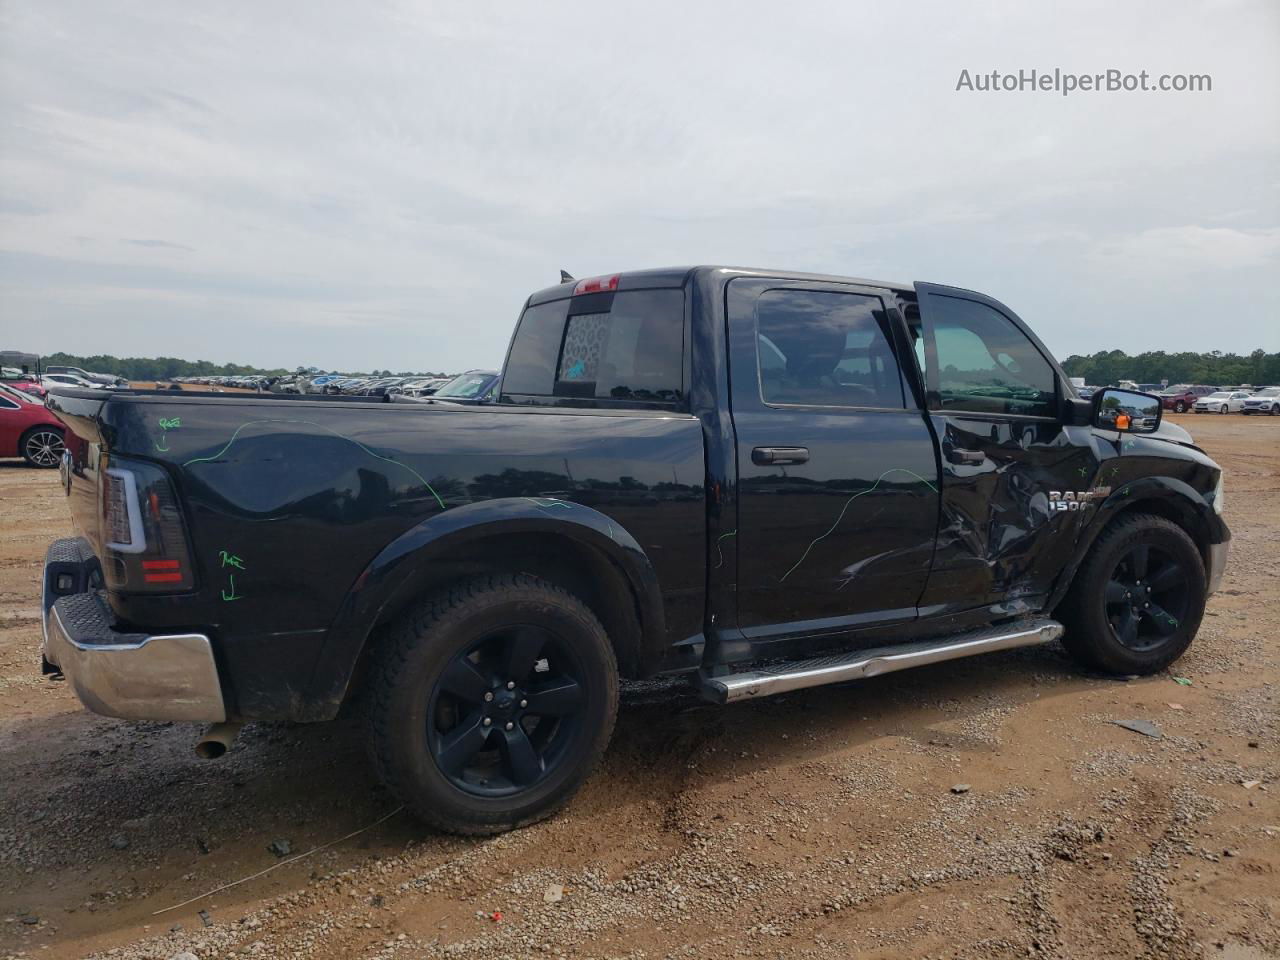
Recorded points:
(779,456)
(956,455)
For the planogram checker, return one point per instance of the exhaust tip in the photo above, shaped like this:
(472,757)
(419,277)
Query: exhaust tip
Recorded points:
(210,749)
(217,740)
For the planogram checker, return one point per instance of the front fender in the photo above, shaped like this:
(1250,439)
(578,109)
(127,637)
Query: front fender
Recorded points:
(393,572)
(1167,496)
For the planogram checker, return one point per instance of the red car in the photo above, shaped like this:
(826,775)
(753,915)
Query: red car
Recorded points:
(1181,398)
(28,429)
(27,384)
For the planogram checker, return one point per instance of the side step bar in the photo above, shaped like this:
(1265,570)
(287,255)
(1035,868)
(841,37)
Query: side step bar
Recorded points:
(798,674)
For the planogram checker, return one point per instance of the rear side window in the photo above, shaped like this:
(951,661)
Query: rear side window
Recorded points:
(625,348)
(825,349)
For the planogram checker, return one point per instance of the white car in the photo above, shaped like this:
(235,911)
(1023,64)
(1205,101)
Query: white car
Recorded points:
(1266,400)
(1224,401)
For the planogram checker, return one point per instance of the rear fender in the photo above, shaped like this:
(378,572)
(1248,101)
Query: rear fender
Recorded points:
(398,574)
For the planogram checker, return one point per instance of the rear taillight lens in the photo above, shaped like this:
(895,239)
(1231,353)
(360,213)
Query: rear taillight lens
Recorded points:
(144,542)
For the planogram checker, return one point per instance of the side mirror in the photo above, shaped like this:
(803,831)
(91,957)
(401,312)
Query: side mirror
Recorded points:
(1126,411)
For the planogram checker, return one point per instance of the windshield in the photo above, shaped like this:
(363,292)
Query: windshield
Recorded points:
(1219,396)
(1268,392)
(466,385)
(1170,391)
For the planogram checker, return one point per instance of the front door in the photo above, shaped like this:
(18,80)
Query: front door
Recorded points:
(837,476)
(1016,482)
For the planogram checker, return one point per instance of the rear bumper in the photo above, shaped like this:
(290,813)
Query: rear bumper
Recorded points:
(135,676)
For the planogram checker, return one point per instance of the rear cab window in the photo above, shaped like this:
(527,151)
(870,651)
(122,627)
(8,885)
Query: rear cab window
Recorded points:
(615,349)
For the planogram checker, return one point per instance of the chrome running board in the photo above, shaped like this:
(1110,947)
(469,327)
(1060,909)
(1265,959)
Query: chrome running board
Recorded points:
(858,664)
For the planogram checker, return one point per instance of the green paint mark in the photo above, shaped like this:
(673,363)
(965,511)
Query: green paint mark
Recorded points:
(845,508)
(163,443)
(719,553)
(1083,471)
(172,423)
(1182,681)
(230,560)
(550,502)
(232,595)
(421,479)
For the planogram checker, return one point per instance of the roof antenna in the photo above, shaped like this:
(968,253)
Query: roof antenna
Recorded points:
(565,276)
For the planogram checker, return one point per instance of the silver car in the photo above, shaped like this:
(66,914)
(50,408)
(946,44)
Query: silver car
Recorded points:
(1265,400)
(1224,401)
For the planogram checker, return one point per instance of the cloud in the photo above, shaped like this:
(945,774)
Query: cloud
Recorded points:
(400,177)
(1196,248)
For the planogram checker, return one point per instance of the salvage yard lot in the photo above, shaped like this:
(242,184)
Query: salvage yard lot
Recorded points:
(983,808)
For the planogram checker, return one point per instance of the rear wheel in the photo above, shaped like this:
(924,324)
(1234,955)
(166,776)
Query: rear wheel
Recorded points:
(42,446)
(1136,602)
(491,703)
(1179,407)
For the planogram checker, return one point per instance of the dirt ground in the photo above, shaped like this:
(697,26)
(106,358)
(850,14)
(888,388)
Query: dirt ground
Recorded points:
(829,823)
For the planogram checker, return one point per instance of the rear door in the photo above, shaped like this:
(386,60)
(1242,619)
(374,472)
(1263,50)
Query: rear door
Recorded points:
(837,475)
(1016,481)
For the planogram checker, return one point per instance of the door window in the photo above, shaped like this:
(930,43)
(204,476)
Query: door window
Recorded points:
(986,364)
(825,349)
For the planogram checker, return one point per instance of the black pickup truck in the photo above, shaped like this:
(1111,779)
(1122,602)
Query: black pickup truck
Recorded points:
(763,480)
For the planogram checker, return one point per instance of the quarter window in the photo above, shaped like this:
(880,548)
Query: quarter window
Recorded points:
(816,348)
(986,364)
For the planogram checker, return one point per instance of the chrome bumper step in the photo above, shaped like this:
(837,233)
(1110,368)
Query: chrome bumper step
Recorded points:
(859,664)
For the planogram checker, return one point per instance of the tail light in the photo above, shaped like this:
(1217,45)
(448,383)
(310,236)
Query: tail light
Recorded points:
(144,542)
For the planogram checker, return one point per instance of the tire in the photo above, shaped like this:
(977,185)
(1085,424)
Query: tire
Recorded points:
(1223,408)
(1275,410)
(1179,407)
(451,737)
(41,447)
(1110,585)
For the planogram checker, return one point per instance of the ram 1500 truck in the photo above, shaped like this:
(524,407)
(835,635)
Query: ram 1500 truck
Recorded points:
(763,480)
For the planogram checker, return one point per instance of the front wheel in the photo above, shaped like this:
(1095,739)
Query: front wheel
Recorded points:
(1223,408)
(1137,600)
(42,446)
(491,703)
(1275,410)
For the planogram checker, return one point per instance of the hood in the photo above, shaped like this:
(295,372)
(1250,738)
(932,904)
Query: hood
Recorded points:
(1172,432)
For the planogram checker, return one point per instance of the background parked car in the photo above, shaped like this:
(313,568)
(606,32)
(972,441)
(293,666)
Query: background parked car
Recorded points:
(103,379)
(72,380)
(26,382)
(1265,400)
(1182,397)
(1224,401)
(28,429)
(474,386)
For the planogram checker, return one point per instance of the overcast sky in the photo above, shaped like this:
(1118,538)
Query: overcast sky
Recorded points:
(375,185)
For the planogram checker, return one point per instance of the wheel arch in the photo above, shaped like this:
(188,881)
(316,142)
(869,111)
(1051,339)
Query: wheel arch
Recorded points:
(565,543)
(1166,497)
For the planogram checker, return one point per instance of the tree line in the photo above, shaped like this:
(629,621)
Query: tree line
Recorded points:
(166,368)
(1214,369)
(1102,368)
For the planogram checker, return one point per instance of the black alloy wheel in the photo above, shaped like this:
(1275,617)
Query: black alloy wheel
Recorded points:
(1146,597)
(1136,602)
(491,702)
(506,711)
